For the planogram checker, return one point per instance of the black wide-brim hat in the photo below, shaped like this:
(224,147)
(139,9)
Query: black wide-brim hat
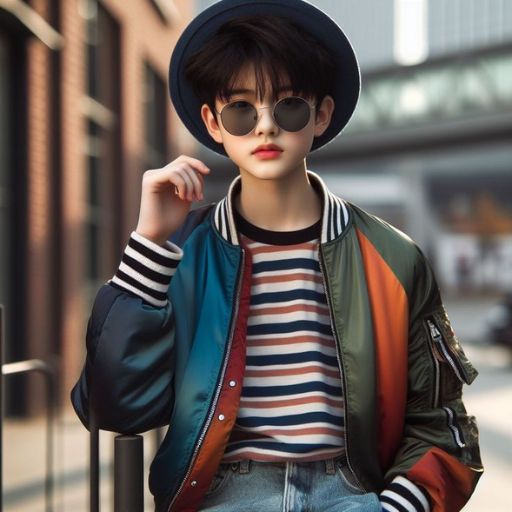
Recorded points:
(308,17)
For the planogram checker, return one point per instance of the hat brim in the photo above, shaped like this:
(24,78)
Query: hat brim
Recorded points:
(311,19)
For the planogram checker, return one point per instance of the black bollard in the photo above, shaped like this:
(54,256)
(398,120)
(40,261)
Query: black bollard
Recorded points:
(128,473)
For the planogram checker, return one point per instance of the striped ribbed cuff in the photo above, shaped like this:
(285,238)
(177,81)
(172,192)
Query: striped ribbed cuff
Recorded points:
(146,268)
(402,495)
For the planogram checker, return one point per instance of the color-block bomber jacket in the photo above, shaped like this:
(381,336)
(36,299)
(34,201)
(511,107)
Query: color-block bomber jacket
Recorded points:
(182,364)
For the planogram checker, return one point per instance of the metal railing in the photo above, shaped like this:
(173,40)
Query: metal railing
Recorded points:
(128,448)
(48,371)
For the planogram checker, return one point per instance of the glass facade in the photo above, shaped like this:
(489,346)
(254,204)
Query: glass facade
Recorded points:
(457,25)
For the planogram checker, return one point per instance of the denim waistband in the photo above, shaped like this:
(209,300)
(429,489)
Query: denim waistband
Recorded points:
(329,464)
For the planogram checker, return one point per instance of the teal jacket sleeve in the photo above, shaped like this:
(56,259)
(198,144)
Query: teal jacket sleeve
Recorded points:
(127,378)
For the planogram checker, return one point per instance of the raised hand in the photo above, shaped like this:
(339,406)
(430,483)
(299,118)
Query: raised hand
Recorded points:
(167,195)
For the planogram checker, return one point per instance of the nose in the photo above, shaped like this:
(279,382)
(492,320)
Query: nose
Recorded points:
(265,123)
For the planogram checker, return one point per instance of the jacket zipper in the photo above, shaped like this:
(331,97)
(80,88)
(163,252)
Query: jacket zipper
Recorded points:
(438,339)
(437,374)
(217,392)
(340,365)
(437,342)
(454,427)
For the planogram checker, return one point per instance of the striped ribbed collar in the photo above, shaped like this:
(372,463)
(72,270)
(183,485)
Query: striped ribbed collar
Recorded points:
(335,212)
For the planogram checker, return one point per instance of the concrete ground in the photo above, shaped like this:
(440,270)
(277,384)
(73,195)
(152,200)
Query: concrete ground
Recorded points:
(489,398)
(24,457)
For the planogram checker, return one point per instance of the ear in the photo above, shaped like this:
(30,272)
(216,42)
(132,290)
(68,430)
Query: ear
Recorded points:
(323,115)
(211,124)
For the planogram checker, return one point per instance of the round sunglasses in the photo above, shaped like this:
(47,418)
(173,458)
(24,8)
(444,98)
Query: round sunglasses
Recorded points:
(291,113)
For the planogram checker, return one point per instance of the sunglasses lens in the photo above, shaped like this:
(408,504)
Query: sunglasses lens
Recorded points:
(239,117)
(292,114)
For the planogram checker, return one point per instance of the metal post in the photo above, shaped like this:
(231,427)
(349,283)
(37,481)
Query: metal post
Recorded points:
(2,333)
(94,463)
(128,473)
(157,439)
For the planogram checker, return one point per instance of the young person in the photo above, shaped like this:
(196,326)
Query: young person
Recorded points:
(297,346)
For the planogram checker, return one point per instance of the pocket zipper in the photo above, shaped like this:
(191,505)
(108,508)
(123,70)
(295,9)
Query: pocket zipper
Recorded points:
(448,356)
(454,427)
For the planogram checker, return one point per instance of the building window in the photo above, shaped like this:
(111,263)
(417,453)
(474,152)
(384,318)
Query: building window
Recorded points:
(102,109)
(155,119)
(5,160)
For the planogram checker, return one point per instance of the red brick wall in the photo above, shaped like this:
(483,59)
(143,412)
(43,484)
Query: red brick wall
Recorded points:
(73,193)
(39,195)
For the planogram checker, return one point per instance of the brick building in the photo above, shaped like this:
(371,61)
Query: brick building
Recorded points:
(84,112)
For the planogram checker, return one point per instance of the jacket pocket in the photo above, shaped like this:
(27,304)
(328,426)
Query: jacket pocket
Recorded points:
(453,368)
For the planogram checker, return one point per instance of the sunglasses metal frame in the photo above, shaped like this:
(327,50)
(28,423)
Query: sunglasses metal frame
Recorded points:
(257,109)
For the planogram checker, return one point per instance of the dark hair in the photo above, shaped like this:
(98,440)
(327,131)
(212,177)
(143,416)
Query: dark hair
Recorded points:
(274,45)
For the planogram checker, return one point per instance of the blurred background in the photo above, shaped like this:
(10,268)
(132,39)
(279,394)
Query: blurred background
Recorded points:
(84,111)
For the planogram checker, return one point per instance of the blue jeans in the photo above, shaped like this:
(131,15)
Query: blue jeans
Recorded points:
(319,486)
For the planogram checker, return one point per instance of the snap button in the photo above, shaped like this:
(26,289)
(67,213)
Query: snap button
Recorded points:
(232,383)
(221,417)
(193,483)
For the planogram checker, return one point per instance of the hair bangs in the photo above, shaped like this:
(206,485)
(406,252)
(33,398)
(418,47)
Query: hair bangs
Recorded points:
(273,48)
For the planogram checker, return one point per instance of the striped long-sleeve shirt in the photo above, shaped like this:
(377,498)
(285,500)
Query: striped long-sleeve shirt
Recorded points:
(291,404)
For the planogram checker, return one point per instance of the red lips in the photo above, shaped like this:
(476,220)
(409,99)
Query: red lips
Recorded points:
(267,147)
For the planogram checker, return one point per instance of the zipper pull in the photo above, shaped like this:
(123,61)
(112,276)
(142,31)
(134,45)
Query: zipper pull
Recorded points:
(443,351)
(437,338)
(434,332)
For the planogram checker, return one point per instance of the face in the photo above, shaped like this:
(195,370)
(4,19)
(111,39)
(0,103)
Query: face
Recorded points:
(295,145)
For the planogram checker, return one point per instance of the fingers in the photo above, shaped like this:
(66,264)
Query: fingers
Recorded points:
(185,174)
(188,183)
(185,187)
(197,182)
(195,164)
